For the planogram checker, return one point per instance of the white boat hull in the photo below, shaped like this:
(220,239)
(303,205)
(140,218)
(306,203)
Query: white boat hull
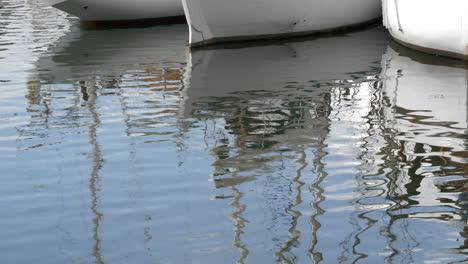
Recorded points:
(119,10)
(433,26)
(224,20)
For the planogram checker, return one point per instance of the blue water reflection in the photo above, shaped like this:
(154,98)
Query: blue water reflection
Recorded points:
(121,145)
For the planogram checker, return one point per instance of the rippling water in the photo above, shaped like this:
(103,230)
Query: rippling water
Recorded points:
(122,146)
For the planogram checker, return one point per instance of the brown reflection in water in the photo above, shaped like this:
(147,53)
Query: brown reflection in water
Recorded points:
(33,95)
(84,93)
(35,98)
(158,94)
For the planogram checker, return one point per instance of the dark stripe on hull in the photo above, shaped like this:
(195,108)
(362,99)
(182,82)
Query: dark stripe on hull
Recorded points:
(436,52)
(221,40)
(427,58)
(135,22)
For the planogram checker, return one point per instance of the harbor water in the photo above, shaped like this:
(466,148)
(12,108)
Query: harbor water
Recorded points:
(122,145)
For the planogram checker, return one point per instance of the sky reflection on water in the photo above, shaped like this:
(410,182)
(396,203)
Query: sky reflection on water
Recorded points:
(120,145)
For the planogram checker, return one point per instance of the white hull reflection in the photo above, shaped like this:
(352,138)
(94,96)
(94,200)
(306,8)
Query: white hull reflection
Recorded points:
(434,26)
(429,98)
(239,68)
(153,57)
(90,55)
(222,20)
(120,10)
(428,120)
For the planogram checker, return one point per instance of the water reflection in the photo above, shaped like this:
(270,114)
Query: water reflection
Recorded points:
(89,85)
(428,127)
(26,28)
(135,65)
(381,148)
(274,114)
(340,149)
(96,159)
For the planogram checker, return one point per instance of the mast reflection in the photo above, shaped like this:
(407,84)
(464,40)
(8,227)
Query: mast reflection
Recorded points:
(264,126)
(123,70)
(324,154)
(96,159)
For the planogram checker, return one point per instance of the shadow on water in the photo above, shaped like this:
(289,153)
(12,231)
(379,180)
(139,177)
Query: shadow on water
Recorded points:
(340,149)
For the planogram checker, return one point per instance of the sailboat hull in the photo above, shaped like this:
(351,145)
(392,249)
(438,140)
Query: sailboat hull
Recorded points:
(120,10)
(214,21)
(433,26)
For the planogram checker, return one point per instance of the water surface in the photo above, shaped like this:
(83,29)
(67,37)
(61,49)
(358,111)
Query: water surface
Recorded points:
(120,145)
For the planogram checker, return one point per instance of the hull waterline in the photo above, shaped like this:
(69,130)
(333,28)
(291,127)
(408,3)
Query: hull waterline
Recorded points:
(120,10)
(431,26)
(214,21)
